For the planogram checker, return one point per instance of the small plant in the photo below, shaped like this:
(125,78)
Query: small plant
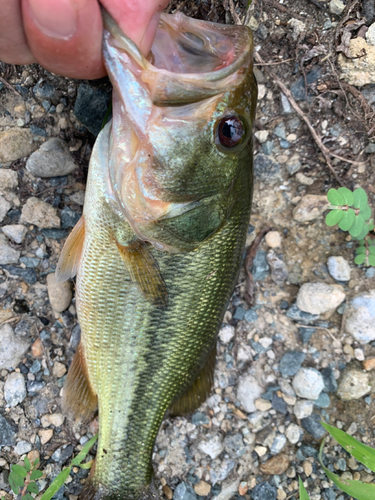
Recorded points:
(22,478)
(352,213)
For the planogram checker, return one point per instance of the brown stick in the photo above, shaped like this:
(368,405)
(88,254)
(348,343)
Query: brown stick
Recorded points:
(9,86)
(250,255)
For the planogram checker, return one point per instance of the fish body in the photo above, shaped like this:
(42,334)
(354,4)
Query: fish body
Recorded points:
(158,249)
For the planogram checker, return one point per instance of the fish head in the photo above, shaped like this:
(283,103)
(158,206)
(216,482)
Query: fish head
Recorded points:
(181,129)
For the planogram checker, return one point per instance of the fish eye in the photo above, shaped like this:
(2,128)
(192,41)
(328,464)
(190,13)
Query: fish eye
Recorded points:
(230,131)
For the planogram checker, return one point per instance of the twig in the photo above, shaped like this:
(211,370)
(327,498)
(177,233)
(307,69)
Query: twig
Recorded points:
(235,16)
(250,255)
(275,63)
(317,4)
(326,152)
(9,86)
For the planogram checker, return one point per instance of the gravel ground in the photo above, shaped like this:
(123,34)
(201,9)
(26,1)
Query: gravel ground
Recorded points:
(302,352)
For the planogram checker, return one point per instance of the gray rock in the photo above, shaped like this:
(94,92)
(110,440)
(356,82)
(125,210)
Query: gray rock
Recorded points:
(30,261)
(28,275)
(69,217)
(52,159)
(279,271)
(330,383)
(278,444)
(16,143)
(370,273)
(7,432)
(248,391)
(370,148)
(12,348)
(184,491)
(62,454)
(4,208)
(303,409)
(212,445)
(360,319)
(14,389)
(336,7)
(8,255)
(290,363)
(286,108)
(338,268)
(234,445)
(44,91)
(22,447)
(294,433)
(313,426)
(39,213)
(200,418)
(353,385)
(8,179)
(323,400)
(59,294)
(91,107)
(250,316)
(264,491)
(298,88)
(300,316)
(293,165)
(266,168)
(308,383)
(261,268)
(319,298)
(38,131)
(16,232)
(55,234)
(311,207)
(306,334)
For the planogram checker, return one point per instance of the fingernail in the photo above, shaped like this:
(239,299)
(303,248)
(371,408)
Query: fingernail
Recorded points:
(57,19)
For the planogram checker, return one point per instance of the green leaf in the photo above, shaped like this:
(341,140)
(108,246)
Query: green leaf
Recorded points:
(347,195)
(33,487)
(19,470)
(86,465)
(364,233)
(82,454)
(371,226)
(372,250)
(357,226)
(361,250)
(13,484)
(366,212)
(334,217)
(27,496)
(303,495)
(18,480)
(360,259)
(27,464)
(347,221)
(56,484)
(360,198)
(371,260)
(363,453)
(36,463)
(335,197)
(36,474)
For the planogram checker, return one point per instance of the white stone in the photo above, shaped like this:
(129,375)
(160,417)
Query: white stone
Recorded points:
(308,383)
(360,317)
(303,409)
(262,135)
(358,71)
(273,239)
(39,213)
(294,433)
(358,354)
(16,143)
(278,444)
(370,34)
(8,179)
(59,294)
(12,348)
(336,7)
(4,208)
(15,232)
(226,333)
(319,298)
(212,446)
(22,447)
(353,385)
(8,255)
(52,159)
(338,268)
(311,207)
(15,389)
(248,391)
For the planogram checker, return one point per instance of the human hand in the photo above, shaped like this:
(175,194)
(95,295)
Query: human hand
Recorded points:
(65,36)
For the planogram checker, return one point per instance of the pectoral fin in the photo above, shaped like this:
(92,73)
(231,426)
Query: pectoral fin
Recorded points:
(198,392)
(144,271)
(71,253)
(79,398)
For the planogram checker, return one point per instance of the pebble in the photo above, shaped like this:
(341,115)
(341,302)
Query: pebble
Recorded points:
(16,232)
(40,214)
(28,275)
(22,447)
(278,444)
(313,426)
(15,389)
(360,318)
(202,488)
(5,206)
(293,432)
(184,491)
(37,348)
(12,348)
(273,239)
(59,294)
(369,364)
(7,431)
(336,7)
(303,179)
(262,135)
(303,409)
(279,271)
(323,401)
(59,369)
(311,207)
(91,107)
(264,491)
(339,268)
(370,273)
(51,160)
(319,298)
(293,164)
(45,435)
(261,268)
(266,169)
(226,333)
(354,384)
(212,445)
(300,316)
(330,383)
(359,354)
(298,88)
(8,255)
(16,143)
(44,91)
(275,465)
(8,179)
(306,334)
(69,217)
(62,454)
(286,108)
(308,383)
(262,404)
(248,392)
(56,419)
(307,468)
(290,363)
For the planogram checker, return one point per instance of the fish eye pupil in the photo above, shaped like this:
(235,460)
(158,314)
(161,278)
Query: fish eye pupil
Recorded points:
(230,131)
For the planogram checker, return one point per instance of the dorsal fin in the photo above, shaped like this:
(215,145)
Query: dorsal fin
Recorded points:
(71,253)
(79,398)
(199,390)
(144,271)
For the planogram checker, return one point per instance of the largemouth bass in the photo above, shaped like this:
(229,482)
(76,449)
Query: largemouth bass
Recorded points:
(158,249)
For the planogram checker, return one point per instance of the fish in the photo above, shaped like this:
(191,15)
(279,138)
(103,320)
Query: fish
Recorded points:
(157,251)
